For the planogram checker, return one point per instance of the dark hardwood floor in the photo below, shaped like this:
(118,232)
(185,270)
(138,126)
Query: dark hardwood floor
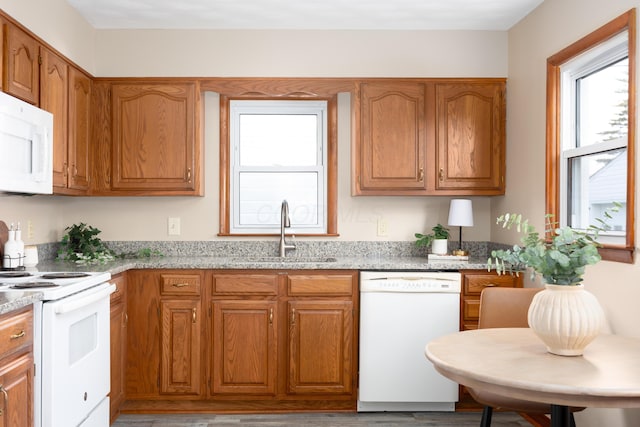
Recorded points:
(384,419)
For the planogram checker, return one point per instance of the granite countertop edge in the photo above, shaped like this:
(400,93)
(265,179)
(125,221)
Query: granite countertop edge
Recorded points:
(11,301)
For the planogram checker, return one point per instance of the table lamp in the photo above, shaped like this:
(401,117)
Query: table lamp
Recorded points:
(461,215)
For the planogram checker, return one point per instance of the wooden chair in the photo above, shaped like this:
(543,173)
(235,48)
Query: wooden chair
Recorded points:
(507,308)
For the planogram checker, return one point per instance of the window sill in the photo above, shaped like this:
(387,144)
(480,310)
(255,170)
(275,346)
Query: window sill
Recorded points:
(617,254)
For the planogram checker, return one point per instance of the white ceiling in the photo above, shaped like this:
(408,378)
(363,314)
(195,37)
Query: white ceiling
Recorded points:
(305,14)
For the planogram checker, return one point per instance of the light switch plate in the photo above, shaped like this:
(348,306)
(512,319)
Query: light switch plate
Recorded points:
(173,226)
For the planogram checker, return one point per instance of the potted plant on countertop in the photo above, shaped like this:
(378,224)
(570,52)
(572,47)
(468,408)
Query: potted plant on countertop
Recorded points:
(560,261)
(438,239)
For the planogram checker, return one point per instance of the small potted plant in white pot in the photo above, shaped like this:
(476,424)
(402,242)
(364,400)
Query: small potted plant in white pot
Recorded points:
(560,261)
(438,239)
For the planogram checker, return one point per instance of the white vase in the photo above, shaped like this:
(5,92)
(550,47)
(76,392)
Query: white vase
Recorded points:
(565,318)
(440,246)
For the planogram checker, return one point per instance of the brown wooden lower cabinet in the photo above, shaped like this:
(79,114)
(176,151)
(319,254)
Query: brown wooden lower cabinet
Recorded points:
(268,340)
(16,368)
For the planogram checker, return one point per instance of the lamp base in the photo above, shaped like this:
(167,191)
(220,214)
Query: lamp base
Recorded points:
(460,252)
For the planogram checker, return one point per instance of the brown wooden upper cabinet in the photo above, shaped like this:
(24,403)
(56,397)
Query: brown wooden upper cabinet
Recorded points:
(21,65)
(392,146)
(156,148)
(470,138)
(418,137)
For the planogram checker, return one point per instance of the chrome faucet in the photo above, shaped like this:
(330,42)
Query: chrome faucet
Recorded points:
(285,222)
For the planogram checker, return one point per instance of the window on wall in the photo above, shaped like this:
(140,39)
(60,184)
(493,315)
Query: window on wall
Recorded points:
(591,127)
(278,151)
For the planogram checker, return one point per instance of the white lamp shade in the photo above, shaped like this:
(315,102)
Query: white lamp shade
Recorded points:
(461,213)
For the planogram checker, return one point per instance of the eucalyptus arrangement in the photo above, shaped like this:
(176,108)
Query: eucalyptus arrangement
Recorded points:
(561,259)
(438,232)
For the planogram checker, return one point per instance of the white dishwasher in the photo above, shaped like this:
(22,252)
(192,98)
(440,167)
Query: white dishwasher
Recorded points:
(400,312)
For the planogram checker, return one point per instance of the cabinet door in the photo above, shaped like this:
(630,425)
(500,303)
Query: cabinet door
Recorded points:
(21,78)
(180,371)
(390,152)
(54,75)
(320,347)
(118,345)
(79,130)
(244,347)
(16,379)
(470,138)
(155,146)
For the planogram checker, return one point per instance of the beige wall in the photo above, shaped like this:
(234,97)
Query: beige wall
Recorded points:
(258,53)
(549,28)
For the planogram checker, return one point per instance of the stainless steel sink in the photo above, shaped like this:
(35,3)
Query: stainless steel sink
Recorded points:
(286,260)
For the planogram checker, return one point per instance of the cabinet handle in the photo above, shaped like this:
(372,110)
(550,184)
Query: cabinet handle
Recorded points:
(441,174)
(293,316)
(65,170)
(421,174)
(271,316)
(16,336)
(189,175)
(5,394)
(180,285)
(75,171)
(193,314)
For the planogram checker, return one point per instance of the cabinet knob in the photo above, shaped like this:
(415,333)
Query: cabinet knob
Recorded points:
(271,316)
(193,314)
(189,175)
(421,174)
(441,174)
(16,336)
(180,285)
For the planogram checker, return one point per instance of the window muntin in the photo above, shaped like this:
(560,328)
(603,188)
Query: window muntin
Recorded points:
(278,152)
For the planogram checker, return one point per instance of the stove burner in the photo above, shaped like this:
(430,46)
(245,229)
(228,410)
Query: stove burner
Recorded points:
(13,274)
(68,275)
(34,285)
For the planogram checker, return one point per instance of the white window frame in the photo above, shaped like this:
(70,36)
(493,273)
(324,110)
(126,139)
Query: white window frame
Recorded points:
(306,107)
(599,57)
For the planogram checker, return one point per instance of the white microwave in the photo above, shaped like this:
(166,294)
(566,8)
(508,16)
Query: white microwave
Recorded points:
(26,147)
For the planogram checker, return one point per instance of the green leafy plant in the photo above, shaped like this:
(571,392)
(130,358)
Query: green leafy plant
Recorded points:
(439,232)
(561,259)
(82,245)
(141,253)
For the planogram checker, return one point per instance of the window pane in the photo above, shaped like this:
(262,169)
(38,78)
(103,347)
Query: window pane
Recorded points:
(262,193)
(278,140)
(595,182)
(602,104)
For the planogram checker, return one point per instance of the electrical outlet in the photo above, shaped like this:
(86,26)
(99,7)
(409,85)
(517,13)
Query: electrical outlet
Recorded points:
(383,227)
(173,226)
(29,229)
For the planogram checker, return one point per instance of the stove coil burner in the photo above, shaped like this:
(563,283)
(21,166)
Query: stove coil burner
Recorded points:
(68,275)
(14,274)
(34,285)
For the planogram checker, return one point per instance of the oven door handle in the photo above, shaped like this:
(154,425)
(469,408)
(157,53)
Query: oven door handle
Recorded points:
(77,303)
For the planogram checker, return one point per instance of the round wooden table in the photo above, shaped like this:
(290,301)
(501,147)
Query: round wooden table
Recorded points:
(514,362)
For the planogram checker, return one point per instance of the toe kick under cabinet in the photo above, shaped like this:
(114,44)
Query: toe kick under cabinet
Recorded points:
(241,340)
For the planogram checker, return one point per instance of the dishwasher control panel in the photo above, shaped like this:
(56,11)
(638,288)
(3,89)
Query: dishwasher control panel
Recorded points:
(417,282)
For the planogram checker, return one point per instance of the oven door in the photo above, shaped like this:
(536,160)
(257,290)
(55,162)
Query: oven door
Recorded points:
(75,356)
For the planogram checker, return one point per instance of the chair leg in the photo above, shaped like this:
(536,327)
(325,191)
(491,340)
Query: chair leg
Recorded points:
(572,420)
(487,412)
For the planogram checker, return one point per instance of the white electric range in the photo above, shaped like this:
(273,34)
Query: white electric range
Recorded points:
(71,345)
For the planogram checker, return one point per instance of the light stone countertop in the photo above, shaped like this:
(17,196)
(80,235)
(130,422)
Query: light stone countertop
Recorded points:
(14,300)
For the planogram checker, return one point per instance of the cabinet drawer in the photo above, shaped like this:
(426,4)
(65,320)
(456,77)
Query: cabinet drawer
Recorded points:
(473,285)
(180,284)
(320,284)
(245,284)
(16,331)
(471,309)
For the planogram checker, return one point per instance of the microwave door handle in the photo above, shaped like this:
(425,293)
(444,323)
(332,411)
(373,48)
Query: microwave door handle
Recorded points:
(40,154)
(77,303)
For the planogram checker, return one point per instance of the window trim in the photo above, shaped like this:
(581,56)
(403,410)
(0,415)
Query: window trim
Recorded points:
(331,191)
(625,22)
